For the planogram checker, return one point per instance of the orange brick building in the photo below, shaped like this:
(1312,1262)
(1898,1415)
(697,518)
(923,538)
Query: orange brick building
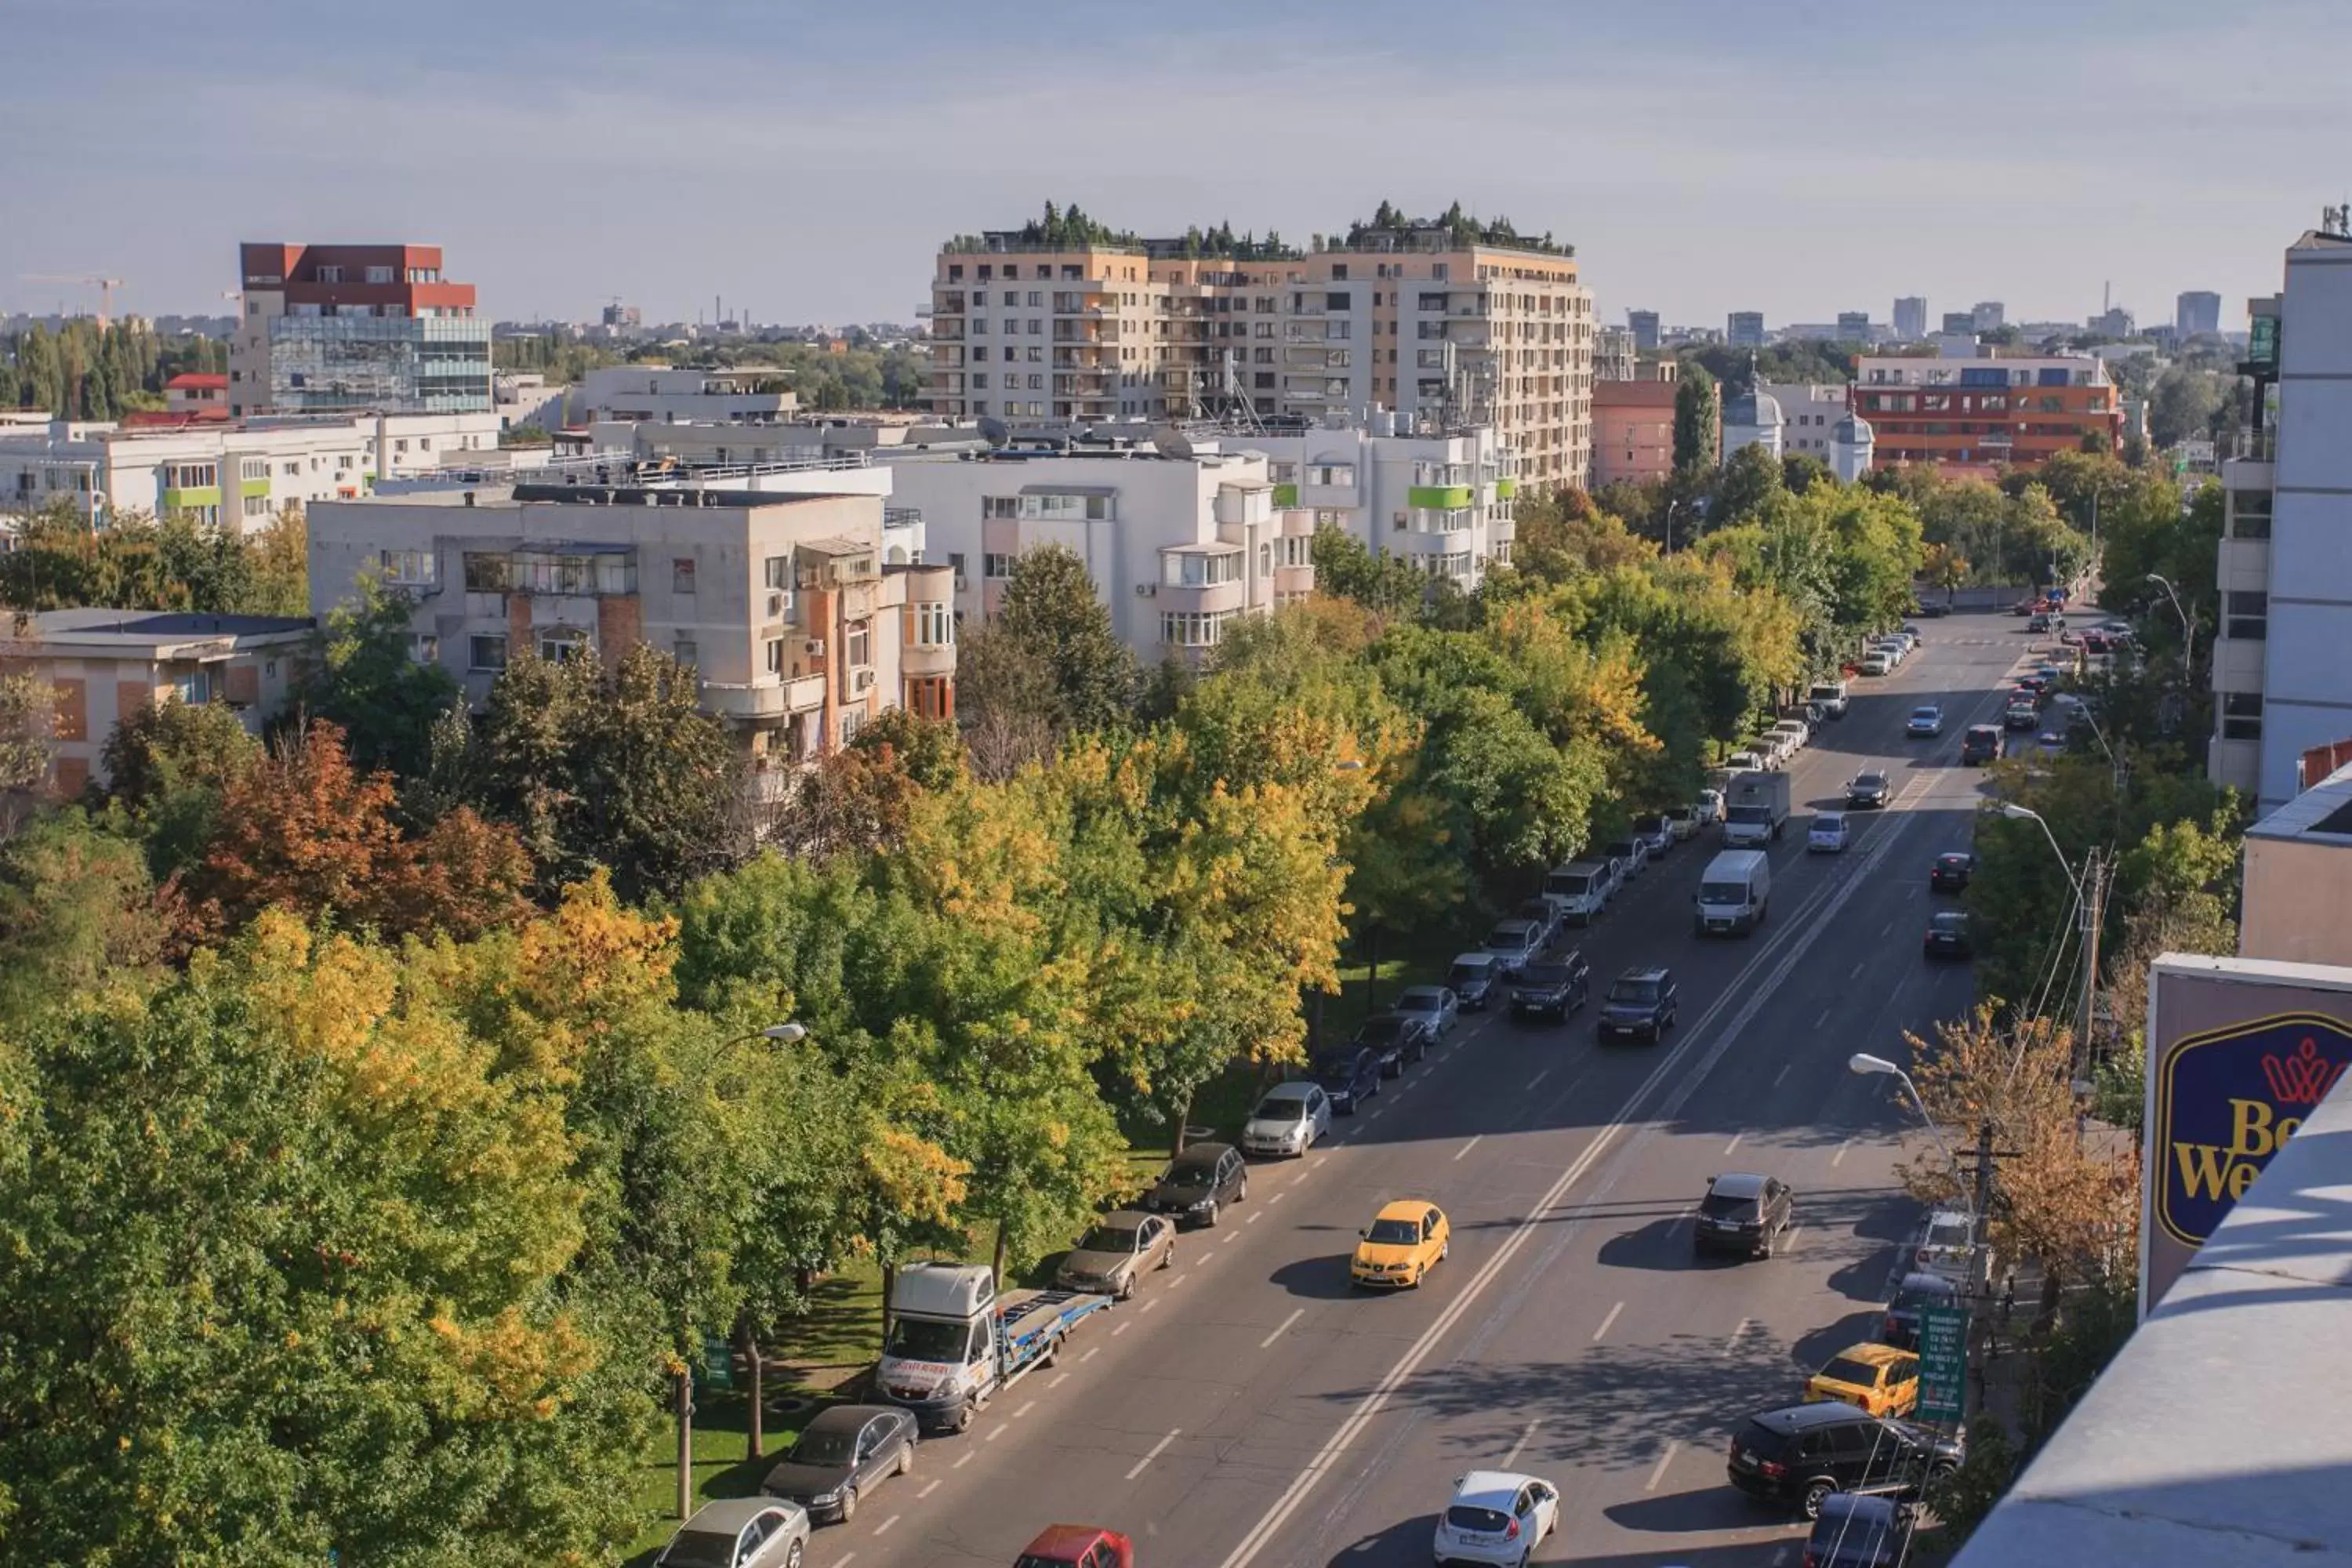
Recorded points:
(1632,431)
(1978,413)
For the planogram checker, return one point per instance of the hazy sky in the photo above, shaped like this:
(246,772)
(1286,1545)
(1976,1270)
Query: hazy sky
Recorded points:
(806,159)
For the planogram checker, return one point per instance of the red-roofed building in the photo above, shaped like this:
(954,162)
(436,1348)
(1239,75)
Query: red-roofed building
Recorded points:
(203,394)
(356,327)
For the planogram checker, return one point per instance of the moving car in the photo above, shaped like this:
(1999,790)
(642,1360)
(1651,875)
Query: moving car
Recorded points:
(739,1533)
(841,1455)
(1981,744)
(1287,1120)
(1350,1075)
(1077,1546)
(1514,942)
(1926,719)
(1496,1517)
(1556,987)
(1435,1007)
(1394,1040)
(1948,935)
(1640,1003)
(1860,1533)
(1199,1182)
(1111,1256)
(1474,978)
(1934,609)
(1732,892)
(1878,1378)
(2020,714)
(1828,835)
(1913,1293)
(1867,791)
(1405,1240)
(1944,1244)
(1743,1212)
(1877,664)
(1951,871)
(1797,1455)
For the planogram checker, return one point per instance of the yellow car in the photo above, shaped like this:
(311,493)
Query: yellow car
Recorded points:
(1881,1379)
(1407,1239)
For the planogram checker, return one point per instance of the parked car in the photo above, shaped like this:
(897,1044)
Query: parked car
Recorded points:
(1496,1517)
(1830,696)
(1652,833)
(739,1533)
(1394,1040)
(1797,1455)
(1405,1240)
(1797,731)
(1927,720)
(1682,821)
(842,1453)
(1867,791)
(1287,1120)
(1877,664)
(1077,1546)
(1828,835)
(1948,935)
(1774,746)
(1631,853)
(1748,762)
(1951,871)
(1580,891)
(1514,943)
(1546,913)
(1915,1292)
(1474,978)
(2038,622)
(1879,1378)
(1111,1257)
(1435,1007)
(1860,1532)
(1944,1244)
(1640,1003)
(1980,744)
(1707,809)
(1743,1212)
(1351,1075)
(1551,987)
(1199,1182)
(2020,714)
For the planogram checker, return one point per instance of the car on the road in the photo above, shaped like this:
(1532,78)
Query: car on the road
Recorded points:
(1744,1212)
(1642,1004)
(1551,987)
(1951,871)
(1496,1517)
(1877,664)
(1867,791)
(2020,714)
(2038,622)
(1829,834)
(1629,852)
(1476,979)
(1652,832)
(1351,1075)
(1394,1040)
(1943,1244)
(1748,763)
(1926,719)
(1797,1455)
(739,1533)
(1515,943)
(1112,1256)
(1981,744)
(2023,606)
(1436,1007)
(1199,1184)
(1682,822)
(1775,746)
(2095,640)
(2034,681)
(2050,742)
(1915,1292)
(841,1455)
(1077,1546)
(1934,609)
(1707,808)
(1796,730)
(1853,1531)
(1947,935)
(1405,1240)
(1879,1378)
(1829,696)
(1287,1120)
(1580,891)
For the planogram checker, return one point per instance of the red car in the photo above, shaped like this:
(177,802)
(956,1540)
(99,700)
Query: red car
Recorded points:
(1077,1546)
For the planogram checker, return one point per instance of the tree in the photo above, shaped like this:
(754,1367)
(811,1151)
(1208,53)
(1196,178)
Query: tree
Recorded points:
(1005,698)
(2183,403)
(370,686)
(1698,428)
(76,913)
(26,729)
(1051,610)
(1751,478)
(1942,566)
(169,764)
(1346,566)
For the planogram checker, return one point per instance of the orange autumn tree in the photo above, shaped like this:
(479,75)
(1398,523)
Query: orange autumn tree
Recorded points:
(305,830)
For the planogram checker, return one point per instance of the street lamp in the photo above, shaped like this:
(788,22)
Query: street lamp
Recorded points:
(2188,627)
(1671,507)
(2017,813)
(1864,1063)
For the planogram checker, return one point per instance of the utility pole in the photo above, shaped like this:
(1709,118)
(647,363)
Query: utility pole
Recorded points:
(1980,1276)
(685,1440)
(2095,874)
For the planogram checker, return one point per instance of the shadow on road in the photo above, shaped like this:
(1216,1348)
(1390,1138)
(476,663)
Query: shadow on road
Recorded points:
(1323,1279)
(1679,1513)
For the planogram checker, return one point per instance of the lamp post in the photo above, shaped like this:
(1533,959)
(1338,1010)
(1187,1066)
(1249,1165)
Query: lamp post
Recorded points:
(2017,813)
(1864,1063)
(1671,507)
(2188,628)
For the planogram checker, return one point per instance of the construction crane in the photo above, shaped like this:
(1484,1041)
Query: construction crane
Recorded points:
(105,287)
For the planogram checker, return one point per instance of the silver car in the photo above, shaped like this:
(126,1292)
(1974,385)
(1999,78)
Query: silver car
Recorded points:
(1288,1120)
(739,1533)
(1434,1005)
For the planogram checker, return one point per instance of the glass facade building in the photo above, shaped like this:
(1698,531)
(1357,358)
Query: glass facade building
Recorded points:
(394,364)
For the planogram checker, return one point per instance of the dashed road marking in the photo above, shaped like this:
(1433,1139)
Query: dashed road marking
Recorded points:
(1537,1079)
(1148,1305)
(1838,1158)
(929,1488)
(1782,1074)
(1058,1379)
(1607,1321)
(1024,1410)
(1252,1220)
(884,1528)
(1789,1242)
(1157,1448)
(1267,1342)
(1733,1342)
(1735,1137)
(1092,1351)
(1525,1432)
(1467,1147)
(1659,1472)
(1117,1330)
(960,1463)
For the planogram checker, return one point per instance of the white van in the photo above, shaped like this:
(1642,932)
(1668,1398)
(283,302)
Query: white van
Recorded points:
(1830,696)
(1581,889)
(1733,891)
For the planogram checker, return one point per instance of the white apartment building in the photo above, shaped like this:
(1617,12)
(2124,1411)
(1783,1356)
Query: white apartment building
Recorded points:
(239,473)
(781,602)
(1809,415)
(2281,682)
(634,394)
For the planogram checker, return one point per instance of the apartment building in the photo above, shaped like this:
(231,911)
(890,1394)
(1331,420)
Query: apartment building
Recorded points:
(1410,319)
(1632,431)
(655,394)
(344,328)
(1810,415)
(104,666)
(1982,412)
(781,603)
(1442,499)
(2196,314)
(1614,358)
(1643,325)
(2282,684)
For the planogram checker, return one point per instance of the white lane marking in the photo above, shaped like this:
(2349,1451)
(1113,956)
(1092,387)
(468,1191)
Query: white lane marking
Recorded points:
(1526,1433)
(1267,1342)
(1782,1074)
(1467,1147)
(1860,967)
(1733,1342)
(1607,1322)
(1659,1473)
(1058,1379)
(960,1463)
(1735,1137)
(994,1434)
(884,1528)
(1117,1330)
(1780,1555)
(1279,1196)
(1680,1221)
(1252,1220)
(929,1488)
(1024,1410)
(1231,1238)
(1838,1158)
(1148,1305)
(1824,1018)
(1092,1351)
(1157,1448)
(843,1561)
(1537,1079)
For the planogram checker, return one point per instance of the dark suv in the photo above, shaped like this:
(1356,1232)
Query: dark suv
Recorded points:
(1913,1293)
(1641,1004)
(1198,1183)
(1798,1456)
(1981,744)
(1395,1038)
(1350,1075)
(1743,1213)
(1552,987)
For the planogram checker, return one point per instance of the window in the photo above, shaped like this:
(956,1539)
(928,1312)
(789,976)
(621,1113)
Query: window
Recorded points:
(485,573)
(955,564)
(774,649)
(557,644)
(1294,550)
(2241,716)
(1187,628)
(995,568)
(1195,569)
(2249,615)
(191,476)
(423,647)
(776,572)
(2250,514)
(934,625)
(487,653)
(331,275)
(681,575)
(1000,506)
(687,653)
(1332,474)
(256,506)
(980,381)
(857,643)
(1266,559)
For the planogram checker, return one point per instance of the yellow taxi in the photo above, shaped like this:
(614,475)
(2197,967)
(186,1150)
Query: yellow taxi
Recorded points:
(1881,1379)
(1406,1239)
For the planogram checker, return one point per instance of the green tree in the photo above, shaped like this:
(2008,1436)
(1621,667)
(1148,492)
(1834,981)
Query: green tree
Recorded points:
(169,764)
(1751,478)
(1699,425)
(2183,403)
(1346,566)
(77,914)
(1052,611)
(368,681)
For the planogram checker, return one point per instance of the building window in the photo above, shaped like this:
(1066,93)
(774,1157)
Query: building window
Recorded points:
(423,647)
(775,652)
(995,568)
(681,575)
(2249,616)
(2250,514)
(418,568)
(687,653)
(934,625)
(955,565)
(1294,550)
(1193,628)
(331,275)
(191,476)
(379,274)
(256,506)
(1193,569)
(2241,716)
(487,653)
(559,642)
(1000,506)
(857,643)
(486,573)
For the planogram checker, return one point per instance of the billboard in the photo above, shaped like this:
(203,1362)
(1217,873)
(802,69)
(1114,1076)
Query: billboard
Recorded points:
(2238,1052)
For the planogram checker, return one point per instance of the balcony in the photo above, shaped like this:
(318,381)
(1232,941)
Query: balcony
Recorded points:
(918,661)
(1437,498)
(770,699)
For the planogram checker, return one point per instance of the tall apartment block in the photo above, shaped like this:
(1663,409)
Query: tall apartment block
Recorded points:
(2282,683)
(1853,326)
(1911,318)
(1744,329)
(1410,319)
(1988,315)
(2196,314)
(355,328)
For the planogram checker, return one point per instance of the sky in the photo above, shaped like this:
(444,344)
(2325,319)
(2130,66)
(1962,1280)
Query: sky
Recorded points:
(804,160)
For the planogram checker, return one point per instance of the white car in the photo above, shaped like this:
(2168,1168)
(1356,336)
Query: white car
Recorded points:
(1877,664)
(1709,807)
(1682,821)
(1829,834)
(1496,1517)
(1746,763)
(1925,720)
(1796,729)
(1288,1120)
(739,1533)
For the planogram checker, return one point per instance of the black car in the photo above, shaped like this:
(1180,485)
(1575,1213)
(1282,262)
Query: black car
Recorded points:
(1952,872)
(1554,987)
(1198,1183)
(1743,1213)
(1394,1040)
(1947,935)
(1865,792)
(1477,983)
(843,1452)
(1860,1532)
(1642,1004)
(1914,1291)
(1981,744)
(1349,1074)
(1797,1455)
(1937,611)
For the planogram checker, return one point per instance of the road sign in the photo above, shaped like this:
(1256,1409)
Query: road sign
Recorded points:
(717,1363)
(1943,1363)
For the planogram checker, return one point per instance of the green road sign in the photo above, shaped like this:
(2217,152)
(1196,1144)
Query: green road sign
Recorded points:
(717,1363)
(1943,1363)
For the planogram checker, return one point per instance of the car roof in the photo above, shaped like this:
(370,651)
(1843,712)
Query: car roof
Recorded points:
(1403,1208)
(1870,1353)
(731,1514)
(1945,918)
(1515,924)
(1819,816)
(1644,972)
(1798,1418)
(1952,857)
(1286,1092)
(1476,960)
(1200,1154)
(1737,1184)
(1848,1506)
(850,1417)
(1427,993)
(1065,1540)
(1129,1217)
(1481,1487)
(1926,1285)
(1925,708)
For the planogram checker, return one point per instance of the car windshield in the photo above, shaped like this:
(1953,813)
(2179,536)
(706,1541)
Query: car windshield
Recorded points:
(1381,1031)
(1622,849)
(1477,1520)
(1951,920)
(1722,892)
(1844,1369)
(1633,991)
(1463,975)
(1826,693)
(1202,1174)
(1947,1230)
(1679,813)
(916,1339)
(1507,936)
(1923,712)
(1749,814)
(1284,1109)
(699,1549)
(1571,884)
(1109,1239)
(824,1449)
(1914,1296)
(1543,975)
(1420,1001)
(1336,1073)
(1829,822)
(1394,1232)
(1721,1205)
(1870,780)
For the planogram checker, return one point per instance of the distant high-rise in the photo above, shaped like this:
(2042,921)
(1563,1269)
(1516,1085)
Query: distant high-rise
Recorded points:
(1613,355)
(2196,312)
(1853,326)
(1744,329)
(1645,324)
(2115,321)
(1988,315)
(1960,322)
(355,328)
(1911,318)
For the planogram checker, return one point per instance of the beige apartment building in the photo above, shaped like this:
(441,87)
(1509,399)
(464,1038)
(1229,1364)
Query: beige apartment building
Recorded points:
(1409,319)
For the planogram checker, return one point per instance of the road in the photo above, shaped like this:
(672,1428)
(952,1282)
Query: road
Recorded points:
(1248,1408)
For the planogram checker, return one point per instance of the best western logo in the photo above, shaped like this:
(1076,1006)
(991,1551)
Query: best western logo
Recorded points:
(2227,1101)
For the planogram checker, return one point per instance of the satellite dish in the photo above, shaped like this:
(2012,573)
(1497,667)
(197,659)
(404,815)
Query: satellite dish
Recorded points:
(1172,442)
(993,430)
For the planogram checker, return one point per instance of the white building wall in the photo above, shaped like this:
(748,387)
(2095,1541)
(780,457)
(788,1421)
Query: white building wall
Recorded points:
(1810,415)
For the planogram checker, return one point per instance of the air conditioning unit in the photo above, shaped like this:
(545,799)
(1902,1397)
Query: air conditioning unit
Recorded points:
(1146,590)
(861,681)
(813,647)
(775,607)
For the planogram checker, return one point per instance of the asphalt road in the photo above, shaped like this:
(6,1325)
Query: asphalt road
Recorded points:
(1247,1407)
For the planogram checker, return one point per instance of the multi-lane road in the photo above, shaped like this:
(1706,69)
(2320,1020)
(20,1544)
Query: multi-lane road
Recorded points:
(1248,1408)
